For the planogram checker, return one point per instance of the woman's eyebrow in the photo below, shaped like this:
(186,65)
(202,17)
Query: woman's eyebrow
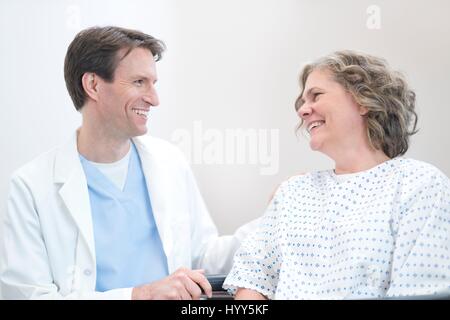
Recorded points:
(308,92)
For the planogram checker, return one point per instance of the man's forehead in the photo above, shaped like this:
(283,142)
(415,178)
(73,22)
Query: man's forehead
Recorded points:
(123,53)
(137,60)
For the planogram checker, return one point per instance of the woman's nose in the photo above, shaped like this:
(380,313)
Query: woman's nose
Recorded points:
(304,111)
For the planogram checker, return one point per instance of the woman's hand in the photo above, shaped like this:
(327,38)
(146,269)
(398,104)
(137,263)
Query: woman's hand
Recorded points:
(248,294)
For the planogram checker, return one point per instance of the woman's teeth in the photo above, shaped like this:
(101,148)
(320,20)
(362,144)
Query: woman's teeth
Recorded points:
(315,124)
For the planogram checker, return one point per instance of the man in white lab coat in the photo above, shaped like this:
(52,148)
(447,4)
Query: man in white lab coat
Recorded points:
(113,213)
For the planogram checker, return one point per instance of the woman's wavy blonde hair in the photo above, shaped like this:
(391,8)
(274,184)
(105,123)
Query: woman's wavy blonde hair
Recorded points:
(390,102)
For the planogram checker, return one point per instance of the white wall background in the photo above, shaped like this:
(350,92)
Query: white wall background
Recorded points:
(230,64)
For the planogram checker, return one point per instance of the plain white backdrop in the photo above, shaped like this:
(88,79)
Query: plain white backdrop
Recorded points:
(230,65)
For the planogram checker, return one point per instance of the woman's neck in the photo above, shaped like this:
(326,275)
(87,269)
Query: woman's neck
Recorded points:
(358,160)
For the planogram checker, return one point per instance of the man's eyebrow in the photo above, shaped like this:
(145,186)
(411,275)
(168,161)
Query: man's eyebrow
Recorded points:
(145,77)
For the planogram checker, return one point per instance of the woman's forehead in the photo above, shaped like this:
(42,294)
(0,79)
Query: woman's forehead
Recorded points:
(319,75)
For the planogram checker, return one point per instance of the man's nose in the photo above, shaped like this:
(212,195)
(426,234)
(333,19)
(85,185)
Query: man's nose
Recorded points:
(151,97)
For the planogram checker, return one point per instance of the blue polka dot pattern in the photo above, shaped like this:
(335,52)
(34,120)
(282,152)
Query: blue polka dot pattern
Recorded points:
(378,233)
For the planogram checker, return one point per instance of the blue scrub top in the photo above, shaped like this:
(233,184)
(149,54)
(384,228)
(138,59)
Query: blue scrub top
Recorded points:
(128,247)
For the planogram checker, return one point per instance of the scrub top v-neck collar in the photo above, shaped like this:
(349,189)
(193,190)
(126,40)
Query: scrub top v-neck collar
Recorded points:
(101,182)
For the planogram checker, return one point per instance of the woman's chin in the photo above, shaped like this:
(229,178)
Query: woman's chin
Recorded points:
(315,145)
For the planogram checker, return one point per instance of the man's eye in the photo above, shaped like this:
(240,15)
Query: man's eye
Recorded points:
(139,82)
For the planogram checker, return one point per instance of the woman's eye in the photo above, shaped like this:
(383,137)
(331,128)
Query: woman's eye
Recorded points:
(315,95)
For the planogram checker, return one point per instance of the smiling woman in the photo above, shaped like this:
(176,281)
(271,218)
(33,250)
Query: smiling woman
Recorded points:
(363,92)
(376,225)
(369,107)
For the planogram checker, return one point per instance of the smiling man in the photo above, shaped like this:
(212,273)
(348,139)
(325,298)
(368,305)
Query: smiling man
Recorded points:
(113,213)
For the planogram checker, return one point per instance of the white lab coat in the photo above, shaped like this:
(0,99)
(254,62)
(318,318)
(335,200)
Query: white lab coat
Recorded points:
(48,243)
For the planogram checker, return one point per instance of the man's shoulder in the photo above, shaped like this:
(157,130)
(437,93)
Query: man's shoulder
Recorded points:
(37,168)
(155,142)
(160,148)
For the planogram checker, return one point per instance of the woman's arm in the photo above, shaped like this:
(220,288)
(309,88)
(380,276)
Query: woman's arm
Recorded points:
(247,294)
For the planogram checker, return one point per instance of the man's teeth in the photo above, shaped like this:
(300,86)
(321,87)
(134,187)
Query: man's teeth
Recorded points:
(141,112)
(315,124)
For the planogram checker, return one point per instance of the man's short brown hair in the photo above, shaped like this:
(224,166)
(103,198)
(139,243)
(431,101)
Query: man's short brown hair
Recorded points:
(96,50)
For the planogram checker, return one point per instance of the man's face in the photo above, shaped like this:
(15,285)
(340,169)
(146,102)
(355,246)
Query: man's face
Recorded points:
(124,103)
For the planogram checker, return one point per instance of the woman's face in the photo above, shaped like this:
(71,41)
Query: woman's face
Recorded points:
(331,115)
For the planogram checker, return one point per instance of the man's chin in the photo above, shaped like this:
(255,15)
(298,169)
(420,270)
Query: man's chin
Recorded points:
(140,132)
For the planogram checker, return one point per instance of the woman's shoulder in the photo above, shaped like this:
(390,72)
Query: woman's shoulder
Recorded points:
(298,183)
(418,169)
(416,176)
(308,176)
(303,179)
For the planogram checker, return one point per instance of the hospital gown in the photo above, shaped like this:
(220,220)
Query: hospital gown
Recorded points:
(384,232)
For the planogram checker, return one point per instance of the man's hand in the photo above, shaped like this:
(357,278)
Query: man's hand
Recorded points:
(183,284)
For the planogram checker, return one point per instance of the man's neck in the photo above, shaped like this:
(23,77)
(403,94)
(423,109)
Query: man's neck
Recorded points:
(98,146)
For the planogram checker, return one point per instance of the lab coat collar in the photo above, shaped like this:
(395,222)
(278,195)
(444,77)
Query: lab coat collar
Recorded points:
(157,188)
(67,160)
(74,191)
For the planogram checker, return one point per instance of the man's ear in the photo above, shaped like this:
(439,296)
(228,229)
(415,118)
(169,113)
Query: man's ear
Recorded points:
(89,81)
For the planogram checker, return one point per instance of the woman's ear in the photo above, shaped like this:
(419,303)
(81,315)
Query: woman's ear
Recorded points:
(363,110)
(89,81)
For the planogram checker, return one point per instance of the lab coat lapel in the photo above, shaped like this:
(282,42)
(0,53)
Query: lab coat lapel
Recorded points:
(74,191)
(157,187)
